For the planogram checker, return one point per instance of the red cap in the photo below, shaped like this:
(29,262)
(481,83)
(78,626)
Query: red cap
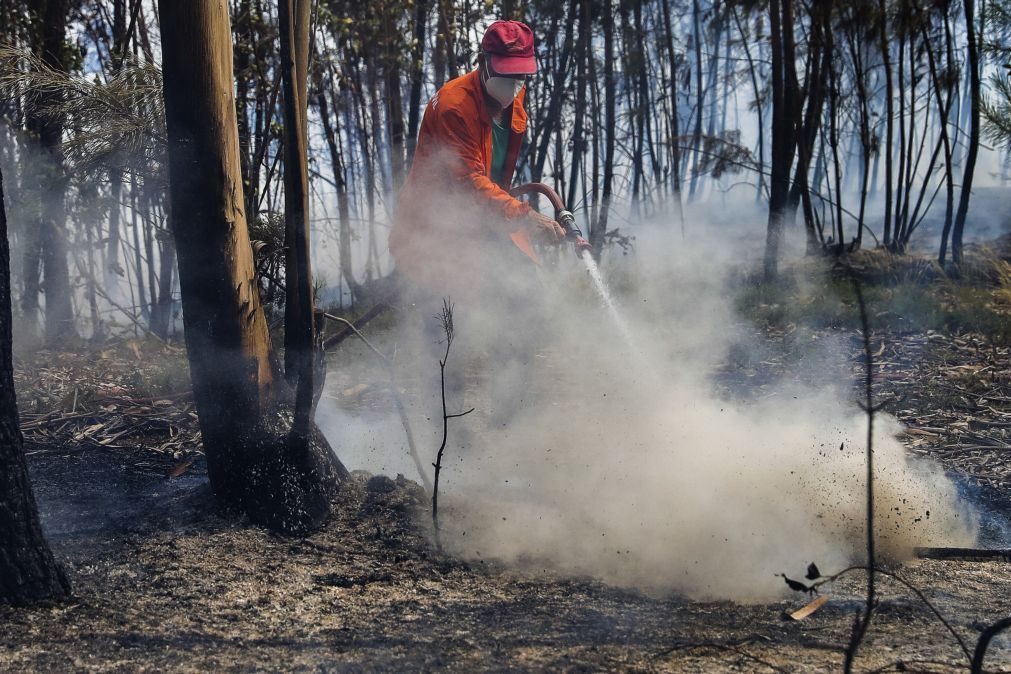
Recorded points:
(510,47)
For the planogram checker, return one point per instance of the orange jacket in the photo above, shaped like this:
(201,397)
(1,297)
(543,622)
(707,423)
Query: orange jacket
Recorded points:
(450,212)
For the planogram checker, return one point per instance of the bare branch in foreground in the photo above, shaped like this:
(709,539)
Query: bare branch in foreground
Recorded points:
(446,317)
(861,623)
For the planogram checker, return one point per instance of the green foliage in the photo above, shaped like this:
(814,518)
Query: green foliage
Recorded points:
(996,110)
(116,122)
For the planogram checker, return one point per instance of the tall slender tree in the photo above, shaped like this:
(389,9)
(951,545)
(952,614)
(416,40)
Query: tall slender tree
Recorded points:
(46,268)
(784,125)
(975,96)
(242,404)
(28,571)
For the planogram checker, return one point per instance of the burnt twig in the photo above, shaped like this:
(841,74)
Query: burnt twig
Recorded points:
(984,642)
(447,326)
(909,586)
(861,623)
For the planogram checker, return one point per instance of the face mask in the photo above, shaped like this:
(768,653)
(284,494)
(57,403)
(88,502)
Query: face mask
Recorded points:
(502,89)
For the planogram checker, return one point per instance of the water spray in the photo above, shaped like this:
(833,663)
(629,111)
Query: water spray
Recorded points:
(583,250)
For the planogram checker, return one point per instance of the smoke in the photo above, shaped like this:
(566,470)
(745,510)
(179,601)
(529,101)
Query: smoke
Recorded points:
(589,456)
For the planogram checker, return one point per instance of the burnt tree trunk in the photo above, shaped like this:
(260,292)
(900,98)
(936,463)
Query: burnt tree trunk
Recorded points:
(299,327)
(784,125)
(28,572)
(47,247)
(417,71)
(886,62)
(331,131)
(113,270)
(161,308)
(244,408)
(394,97)
(599,230)
(974,124)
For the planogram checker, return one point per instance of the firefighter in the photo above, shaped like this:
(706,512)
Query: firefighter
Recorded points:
(456,227)
(458,233)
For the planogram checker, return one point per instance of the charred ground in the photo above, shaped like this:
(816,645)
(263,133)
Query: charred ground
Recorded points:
(164,582)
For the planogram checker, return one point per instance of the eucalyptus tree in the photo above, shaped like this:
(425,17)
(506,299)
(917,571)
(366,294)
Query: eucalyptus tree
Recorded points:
(243,404)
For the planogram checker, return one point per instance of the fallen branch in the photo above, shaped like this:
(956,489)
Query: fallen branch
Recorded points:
(395,392)
(358,324)
(963,554)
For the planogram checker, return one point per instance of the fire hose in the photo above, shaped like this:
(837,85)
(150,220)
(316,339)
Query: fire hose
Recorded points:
(583,249)
(563,215)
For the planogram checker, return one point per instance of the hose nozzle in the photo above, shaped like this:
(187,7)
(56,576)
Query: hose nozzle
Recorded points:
(568,222)
(572,231)
(564,216)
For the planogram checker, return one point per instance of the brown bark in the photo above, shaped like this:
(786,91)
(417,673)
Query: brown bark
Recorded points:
(242,406)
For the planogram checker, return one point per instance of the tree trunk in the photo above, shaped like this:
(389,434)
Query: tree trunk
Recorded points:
(243,407)
(949,152)
(599,230)
(578,142)
(113,270)
(675,114)
(244,48)
(331,131)
(137,207)
(417,76)
(886,60)
(28,571)
(50,234)
(699,99)
(447,29)
(394,98)
(784,96)
(161,310)
(299,326)
(974,121)
(552,117)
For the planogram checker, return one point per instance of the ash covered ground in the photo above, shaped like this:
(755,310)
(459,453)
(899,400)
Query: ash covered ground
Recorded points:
(163,582)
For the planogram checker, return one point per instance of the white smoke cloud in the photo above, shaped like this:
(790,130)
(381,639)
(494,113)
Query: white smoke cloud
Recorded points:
(588,456)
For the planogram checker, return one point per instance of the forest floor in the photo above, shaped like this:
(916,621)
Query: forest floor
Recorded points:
(163,582)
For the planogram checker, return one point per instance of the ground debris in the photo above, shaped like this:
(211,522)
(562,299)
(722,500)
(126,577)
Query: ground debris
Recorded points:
(163,582)
(952,393)
(127,396)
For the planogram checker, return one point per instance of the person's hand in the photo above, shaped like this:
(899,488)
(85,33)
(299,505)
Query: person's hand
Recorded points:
(546,229)
(582,244)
